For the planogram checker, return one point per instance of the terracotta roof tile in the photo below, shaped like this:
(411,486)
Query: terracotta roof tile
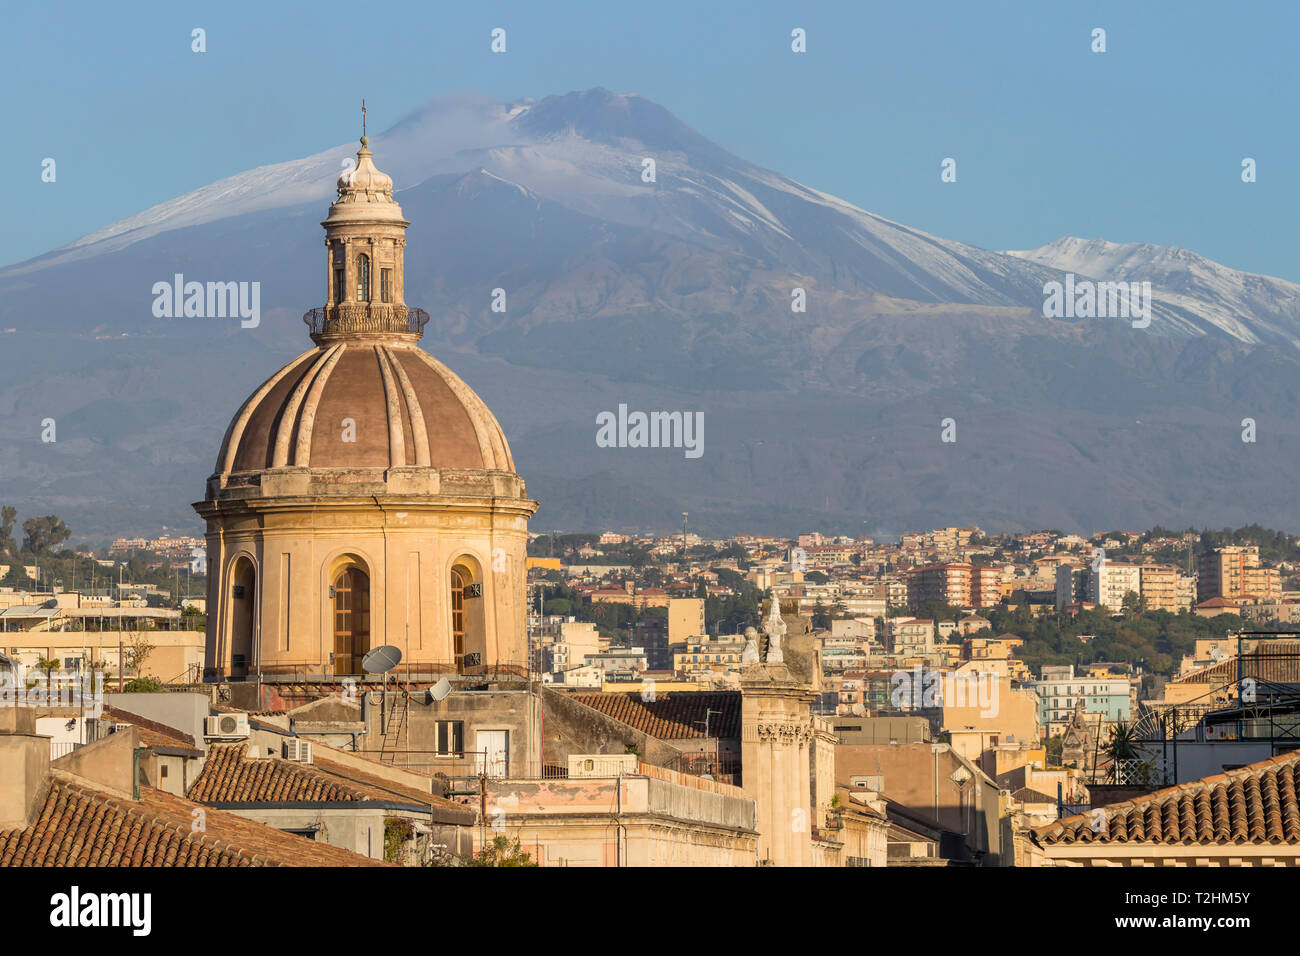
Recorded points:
(80,824)
(671,716)
(1256,804)
(1271,662)
(153,733)
(231,776)
(1030,795)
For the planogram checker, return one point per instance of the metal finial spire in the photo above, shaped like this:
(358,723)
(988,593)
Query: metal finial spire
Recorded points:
(364,138)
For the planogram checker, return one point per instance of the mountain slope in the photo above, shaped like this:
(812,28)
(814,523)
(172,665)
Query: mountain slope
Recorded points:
(1250,308)
(670,295)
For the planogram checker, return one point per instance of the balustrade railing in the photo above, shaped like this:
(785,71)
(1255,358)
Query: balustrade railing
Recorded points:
(365,317)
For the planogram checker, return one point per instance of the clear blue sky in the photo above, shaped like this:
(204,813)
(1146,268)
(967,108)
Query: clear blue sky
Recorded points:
(1142,143)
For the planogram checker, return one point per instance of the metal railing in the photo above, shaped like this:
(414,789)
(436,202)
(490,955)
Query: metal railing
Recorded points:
(311,672)
(365,317)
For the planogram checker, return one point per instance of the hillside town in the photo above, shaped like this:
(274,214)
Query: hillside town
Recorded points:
(948,698)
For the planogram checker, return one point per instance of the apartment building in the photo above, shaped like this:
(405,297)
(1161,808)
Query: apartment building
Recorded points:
(685,619)
(1109,581)
(1165,588)
(1235,573)
(985,585)
(957,583)
(700,658)
(949,583)
(909,635)
(1060,691)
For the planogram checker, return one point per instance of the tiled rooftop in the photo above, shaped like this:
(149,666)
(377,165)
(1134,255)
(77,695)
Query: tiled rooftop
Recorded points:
(231,776)
(1256,804)
(80,824)
(672,715)
(152,733)
(1271,662)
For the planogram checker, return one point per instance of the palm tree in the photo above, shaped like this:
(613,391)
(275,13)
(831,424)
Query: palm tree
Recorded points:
(1122,746)
(49,665)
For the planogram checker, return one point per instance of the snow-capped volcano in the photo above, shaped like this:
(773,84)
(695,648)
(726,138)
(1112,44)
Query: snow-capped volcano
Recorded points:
(588,152)
(646,265)
(1203,294)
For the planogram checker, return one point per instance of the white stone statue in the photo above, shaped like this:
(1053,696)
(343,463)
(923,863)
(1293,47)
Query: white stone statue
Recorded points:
(775,628)
(749,656)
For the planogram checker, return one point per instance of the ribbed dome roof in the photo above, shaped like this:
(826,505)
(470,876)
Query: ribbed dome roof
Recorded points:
(405,407)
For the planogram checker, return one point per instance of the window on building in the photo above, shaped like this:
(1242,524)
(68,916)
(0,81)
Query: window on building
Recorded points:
(385,284)
(451,738)
(363,278)
(339,292)
(458,619)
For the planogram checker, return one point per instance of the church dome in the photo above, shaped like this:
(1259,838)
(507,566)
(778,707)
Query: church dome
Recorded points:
(364,405)
(367,399)
(364,495)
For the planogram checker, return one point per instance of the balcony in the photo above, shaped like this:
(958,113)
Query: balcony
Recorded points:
(334,321)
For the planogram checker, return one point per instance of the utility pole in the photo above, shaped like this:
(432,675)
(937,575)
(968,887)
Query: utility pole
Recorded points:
(684,514)
(717,746)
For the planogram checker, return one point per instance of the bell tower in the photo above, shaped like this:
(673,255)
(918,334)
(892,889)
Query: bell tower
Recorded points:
(365,241)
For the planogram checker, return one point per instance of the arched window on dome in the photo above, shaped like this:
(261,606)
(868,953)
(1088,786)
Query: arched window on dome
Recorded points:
(458,620)
(363,278)
(351,598)
(243,615)
(468,624)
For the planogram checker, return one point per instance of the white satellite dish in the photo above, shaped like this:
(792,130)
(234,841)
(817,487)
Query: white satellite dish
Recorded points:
(381,660)
(440,690)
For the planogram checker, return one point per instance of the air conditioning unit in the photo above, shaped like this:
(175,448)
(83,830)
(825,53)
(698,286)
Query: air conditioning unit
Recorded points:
(226,725)
(297,749)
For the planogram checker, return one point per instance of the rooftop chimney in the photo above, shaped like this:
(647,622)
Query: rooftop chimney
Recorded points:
(24,767)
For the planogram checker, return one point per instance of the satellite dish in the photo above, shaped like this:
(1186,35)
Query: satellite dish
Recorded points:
(381,660)
(439,690)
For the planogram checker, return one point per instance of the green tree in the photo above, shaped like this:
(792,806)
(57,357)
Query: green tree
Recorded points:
(8,547)
(821,618)
(1133,604)
(561,606)
(502,852)
(49,665)
(42,534)
(138,651)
